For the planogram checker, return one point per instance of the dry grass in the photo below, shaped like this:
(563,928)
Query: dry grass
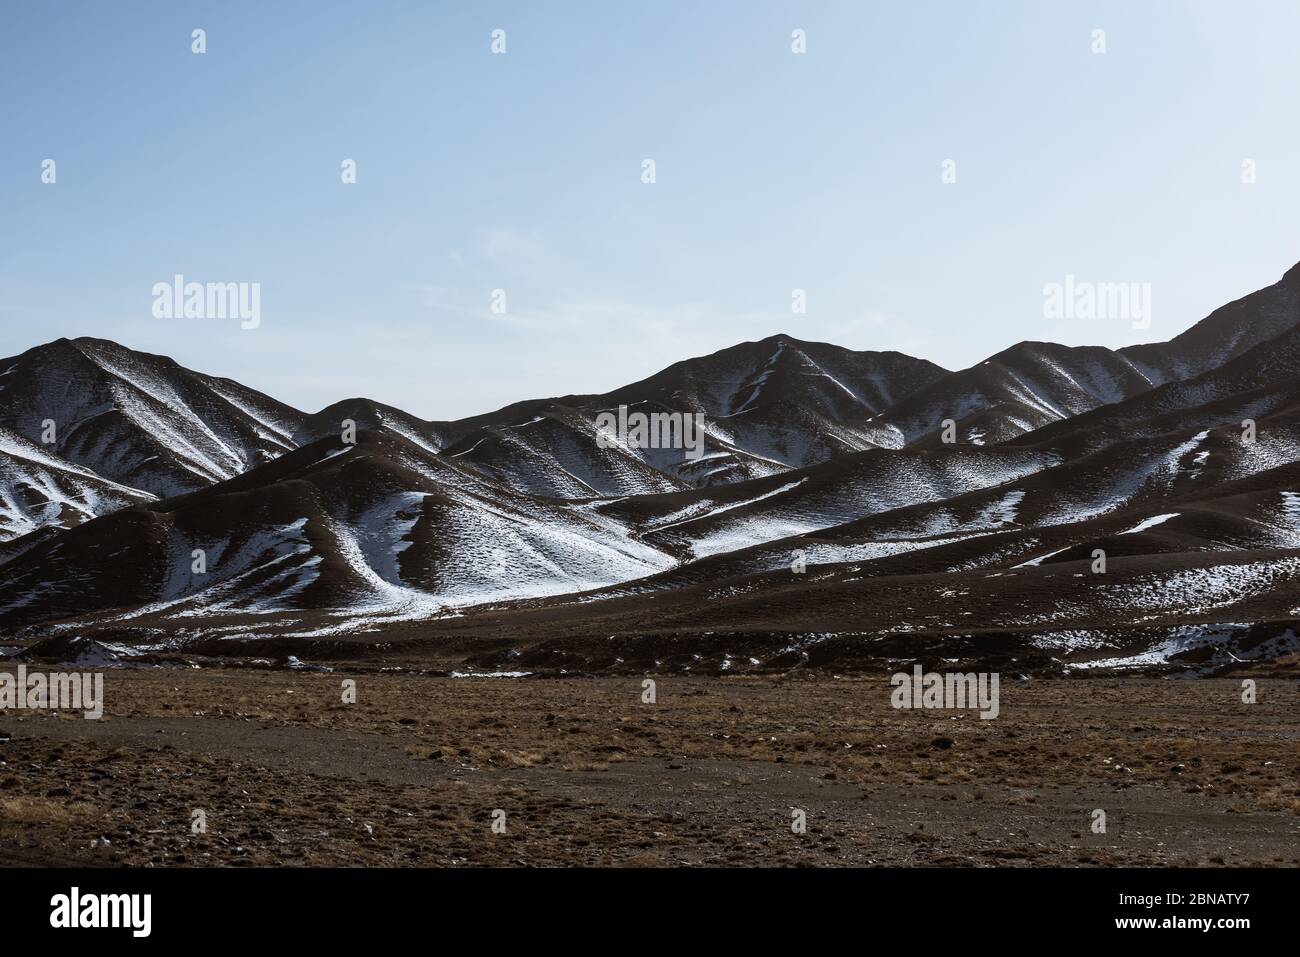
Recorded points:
(29,810)
(1278,799)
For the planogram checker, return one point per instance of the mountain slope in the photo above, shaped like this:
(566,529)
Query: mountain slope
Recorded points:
(141,420)
(769,406)
(1018,390)
(1229,331)
(38,490)
(783,399)
(824,521)
(1034,384)
(381,531)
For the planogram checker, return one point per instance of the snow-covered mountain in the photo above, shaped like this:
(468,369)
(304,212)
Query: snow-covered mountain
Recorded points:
(382,530)
(140,420)
(1016,391)
(786,400)
(39,489)
(1034,384)
(769,406)
(825,520)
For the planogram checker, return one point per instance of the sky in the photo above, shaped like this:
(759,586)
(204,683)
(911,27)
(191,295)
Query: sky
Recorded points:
(523,172)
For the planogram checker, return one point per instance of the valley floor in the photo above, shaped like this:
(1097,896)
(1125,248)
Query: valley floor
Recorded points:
(416,771)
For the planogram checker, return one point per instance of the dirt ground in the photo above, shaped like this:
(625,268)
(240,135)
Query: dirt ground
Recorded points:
(714,772)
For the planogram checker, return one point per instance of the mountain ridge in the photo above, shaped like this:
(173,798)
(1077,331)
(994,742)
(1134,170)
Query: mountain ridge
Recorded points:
(825,497)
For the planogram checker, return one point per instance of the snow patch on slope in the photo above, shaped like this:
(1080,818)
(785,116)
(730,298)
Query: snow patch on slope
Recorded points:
(1151,522)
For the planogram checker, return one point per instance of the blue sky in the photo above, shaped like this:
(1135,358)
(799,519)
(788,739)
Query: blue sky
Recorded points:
(522,172)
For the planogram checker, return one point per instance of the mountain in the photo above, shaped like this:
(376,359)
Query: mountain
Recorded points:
(369,416)
(140,420)
(1261,384)
(769,406)
(700,523)
(39,490)
(824,524)
(1034,384)
(1224,334)
(788,401)
(1020,389)
(380,530)
(156,429)
(1199,528)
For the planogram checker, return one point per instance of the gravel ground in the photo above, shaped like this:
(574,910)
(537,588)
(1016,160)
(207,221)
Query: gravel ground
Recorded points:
(714,772)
